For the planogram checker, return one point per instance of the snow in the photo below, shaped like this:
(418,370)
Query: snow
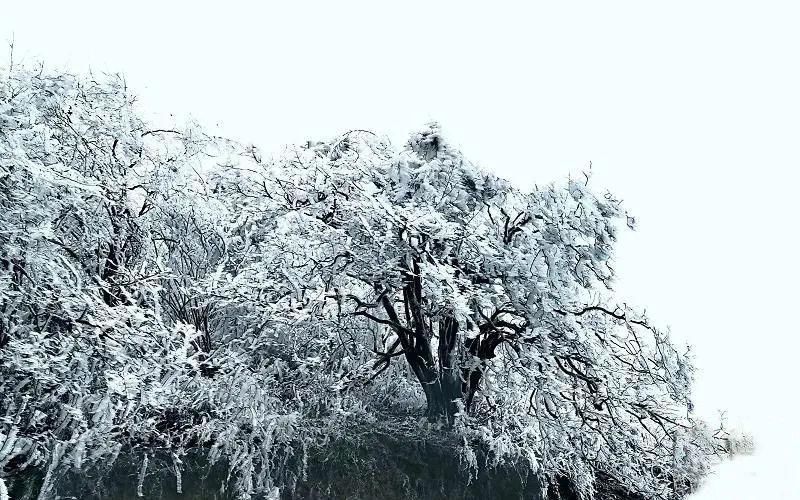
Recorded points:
(768,475)
(314,230)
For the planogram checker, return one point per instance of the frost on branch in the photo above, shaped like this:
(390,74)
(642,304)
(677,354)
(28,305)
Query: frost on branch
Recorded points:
(163,291)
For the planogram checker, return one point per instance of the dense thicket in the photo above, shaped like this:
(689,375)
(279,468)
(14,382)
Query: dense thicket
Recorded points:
(162,290)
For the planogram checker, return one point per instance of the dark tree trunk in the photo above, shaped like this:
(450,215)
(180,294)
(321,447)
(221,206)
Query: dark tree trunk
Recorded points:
(440,381)
(449,376)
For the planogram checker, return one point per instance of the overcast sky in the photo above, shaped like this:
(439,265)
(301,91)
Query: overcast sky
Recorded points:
(689,111)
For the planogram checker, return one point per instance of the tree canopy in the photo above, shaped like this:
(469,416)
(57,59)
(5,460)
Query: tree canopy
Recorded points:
(164,289)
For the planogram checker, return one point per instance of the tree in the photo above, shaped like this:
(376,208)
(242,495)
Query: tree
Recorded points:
(163,291)
(498,300)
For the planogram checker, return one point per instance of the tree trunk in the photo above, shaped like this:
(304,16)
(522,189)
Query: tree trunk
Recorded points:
(449,377)
(441,382)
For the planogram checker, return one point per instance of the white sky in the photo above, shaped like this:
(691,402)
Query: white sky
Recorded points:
(689,111)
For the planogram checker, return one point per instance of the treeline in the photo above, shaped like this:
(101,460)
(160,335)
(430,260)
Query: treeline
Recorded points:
(164,292)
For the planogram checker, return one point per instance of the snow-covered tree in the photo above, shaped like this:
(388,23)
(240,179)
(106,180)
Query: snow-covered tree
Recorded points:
(162,290)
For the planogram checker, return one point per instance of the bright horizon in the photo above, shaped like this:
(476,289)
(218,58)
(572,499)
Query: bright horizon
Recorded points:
(689,112)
